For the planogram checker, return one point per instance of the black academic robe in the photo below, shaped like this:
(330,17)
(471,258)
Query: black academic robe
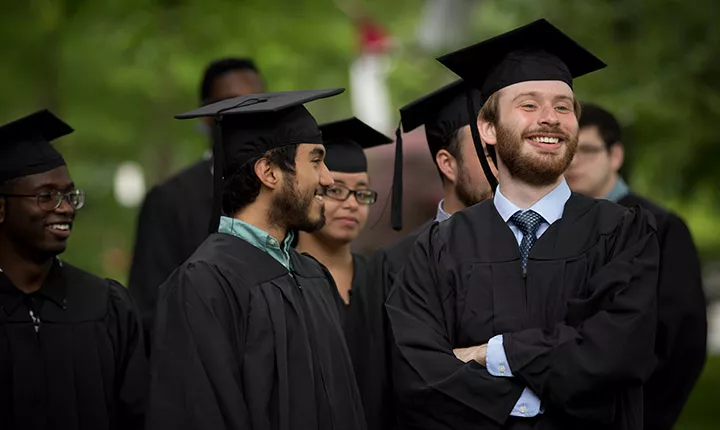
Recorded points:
(80,365)
(681,340)
(172,223)
(375,372)
(362,324)
(241,343)
(578,330)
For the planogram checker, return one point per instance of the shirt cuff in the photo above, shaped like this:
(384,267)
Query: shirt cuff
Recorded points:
(528,405)
(495,359)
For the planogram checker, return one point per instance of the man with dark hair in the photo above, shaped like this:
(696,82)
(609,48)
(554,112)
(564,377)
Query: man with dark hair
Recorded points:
(71,345)
(174,218)
(453,149)
(681,339)
(248,332)
(447,122)
(536,309)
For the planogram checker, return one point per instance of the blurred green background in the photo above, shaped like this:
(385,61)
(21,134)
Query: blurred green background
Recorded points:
(118,70)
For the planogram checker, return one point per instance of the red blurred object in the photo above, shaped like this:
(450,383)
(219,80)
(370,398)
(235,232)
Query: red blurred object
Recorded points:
(373,38)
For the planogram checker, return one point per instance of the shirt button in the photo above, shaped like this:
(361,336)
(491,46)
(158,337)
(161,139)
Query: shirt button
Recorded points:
(523,409)
(272,242)
(501,369)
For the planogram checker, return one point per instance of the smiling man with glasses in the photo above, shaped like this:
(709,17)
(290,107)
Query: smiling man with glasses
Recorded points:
(347,206)
(71,349)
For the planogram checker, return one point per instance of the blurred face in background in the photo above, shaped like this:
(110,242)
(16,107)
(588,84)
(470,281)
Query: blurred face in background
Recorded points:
(594,169)
(347,206)
(235,83)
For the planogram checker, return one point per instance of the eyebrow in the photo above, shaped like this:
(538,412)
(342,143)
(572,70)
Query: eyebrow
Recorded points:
(535,94)
(55,186)
(317,152)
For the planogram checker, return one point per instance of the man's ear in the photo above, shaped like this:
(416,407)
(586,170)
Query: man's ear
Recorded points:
(617,156)
(268,173)
(487,132)
(447,164)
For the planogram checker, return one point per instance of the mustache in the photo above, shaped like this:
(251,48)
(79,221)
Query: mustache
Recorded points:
(548,130)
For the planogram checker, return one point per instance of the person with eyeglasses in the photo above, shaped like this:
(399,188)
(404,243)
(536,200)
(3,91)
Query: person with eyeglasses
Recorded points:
(71,343)
(347,206)
(681,337)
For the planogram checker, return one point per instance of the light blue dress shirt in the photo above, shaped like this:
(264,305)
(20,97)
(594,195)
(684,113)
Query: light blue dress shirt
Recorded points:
(441,214)
(259,239)
(551,208)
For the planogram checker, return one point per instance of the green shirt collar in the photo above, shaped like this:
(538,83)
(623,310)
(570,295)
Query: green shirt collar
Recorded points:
(259,239)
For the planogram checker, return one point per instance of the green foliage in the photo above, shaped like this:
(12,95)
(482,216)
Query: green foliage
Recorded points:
(119,70)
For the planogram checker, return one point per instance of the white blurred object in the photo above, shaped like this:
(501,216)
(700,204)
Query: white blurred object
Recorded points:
(129,184)
(444,23)
(368,90)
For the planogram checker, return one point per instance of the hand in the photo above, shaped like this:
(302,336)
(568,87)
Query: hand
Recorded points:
(477,353)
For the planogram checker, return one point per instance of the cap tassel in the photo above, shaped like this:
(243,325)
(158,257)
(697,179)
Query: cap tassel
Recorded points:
(397,186)
(479,146)
(218,164)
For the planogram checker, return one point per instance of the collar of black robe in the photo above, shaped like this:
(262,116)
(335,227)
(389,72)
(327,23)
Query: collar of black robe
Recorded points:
(54,289)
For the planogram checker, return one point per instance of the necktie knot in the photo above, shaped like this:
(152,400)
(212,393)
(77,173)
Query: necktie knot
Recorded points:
(528,222)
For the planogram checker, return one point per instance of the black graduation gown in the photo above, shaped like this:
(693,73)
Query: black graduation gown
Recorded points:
(578,330)
(83,368)
(681,340)
(241,343)
(362,324)
(375,372)
(172,223)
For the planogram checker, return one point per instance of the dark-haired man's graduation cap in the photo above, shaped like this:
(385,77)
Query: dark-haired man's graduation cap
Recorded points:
(442,112)
(345,142)
(535,52)
(249,126)
(25,147)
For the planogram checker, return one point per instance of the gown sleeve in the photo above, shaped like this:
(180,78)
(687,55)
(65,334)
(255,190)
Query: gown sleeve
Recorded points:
(196,378)
(607,340)
(132,366)
(682,327)
(433,387)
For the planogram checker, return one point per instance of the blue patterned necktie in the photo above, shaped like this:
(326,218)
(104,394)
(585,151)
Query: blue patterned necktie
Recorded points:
(528,222)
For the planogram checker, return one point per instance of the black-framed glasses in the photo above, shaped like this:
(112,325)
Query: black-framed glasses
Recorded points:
(342,193)
(52,200)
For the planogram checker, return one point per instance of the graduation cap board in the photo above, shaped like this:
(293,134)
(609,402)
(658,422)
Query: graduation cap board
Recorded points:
(442,112)
(247,127)
(25,147)
(535,52)
(345,142)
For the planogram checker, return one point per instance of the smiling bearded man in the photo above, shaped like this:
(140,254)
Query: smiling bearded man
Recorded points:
(537,309)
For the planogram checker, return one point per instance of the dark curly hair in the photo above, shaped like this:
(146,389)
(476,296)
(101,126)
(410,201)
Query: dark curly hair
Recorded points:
(241,186)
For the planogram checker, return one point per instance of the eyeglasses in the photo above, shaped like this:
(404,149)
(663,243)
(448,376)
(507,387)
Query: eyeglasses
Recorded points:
(588,151)
(51,201)
(341,193)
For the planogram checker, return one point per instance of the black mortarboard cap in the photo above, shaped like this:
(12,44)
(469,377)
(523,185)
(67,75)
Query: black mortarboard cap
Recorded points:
(535,52)
(442,112)
(247,127)
(25,147)
(345,142)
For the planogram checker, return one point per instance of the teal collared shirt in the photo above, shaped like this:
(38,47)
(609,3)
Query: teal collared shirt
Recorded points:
(259,239)
(619,191)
